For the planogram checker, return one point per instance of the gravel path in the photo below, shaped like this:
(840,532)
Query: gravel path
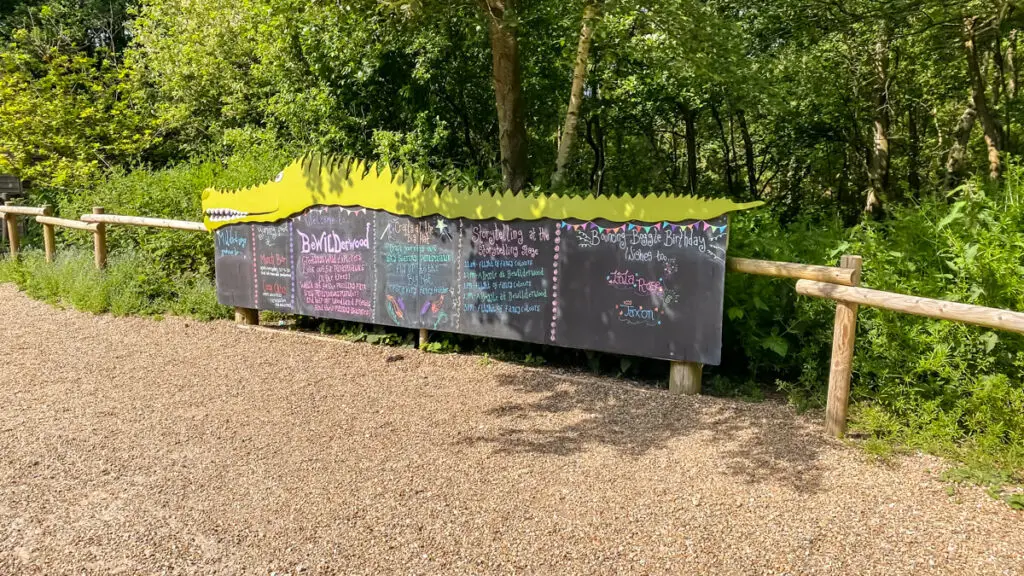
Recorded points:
(136,446)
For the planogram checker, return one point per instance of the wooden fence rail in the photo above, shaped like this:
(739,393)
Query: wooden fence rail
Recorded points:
(65,223)
(829,274)
(21,210)
(147,222)
(835,283)
(8,213)
(928,307)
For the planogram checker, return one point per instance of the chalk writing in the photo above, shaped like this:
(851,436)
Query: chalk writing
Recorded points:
(233,261)
(647,289)
(636,282)
(274,272)
(417,263)
(334,263)
(632,313)
(506,278)
(232,240)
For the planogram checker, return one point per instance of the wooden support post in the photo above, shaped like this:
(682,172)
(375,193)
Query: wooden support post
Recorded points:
(424,337)
(843,337)
(12,231)
(100,241)
(684,378)
(247,316)
(49,242)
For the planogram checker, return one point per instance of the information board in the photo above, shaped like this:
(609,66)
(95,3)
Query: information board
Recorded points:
(334,263)
(275,278)
(652,290)
(505,279)
(644,290)
(233,263)
(417,264)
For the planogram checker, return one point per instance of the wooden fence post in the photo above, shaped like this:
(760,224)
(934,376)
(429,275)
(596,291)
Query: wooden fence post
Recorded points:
(843,337)
(100,241)
(424,337)
(12,231)
(684,378)
(247,316)
(49,243)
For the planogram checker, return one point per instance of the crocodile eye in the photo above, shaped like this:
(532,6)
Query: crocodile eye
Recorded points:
(279,177)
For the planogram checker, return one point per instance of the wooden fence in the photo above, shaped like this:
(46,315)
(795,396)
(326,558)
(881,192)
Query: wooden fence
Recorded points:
(841,284)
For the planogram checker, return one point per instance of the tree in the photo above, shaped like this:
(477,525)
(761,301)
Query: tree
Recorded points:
(591,12)
(878,172)
(989,121)
(508,93)
(69,109)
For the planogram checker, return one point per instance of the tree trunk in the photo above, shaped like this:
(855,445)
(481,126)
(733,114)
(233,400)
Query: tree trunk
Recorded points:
(956,162)
(993,132)
(748,150)
(508,94)
(878,171)
(595,137)
(1013,79)
(726,157)
(579,77)
(914,152)
(691,149)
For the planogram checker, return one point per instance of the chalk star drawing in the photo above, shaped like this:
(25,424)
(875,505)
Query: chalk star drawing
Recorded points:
(442,227)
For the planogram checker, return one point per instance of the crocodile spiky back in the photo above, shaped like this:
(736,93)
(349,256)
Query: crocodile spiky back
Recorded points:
(317,179)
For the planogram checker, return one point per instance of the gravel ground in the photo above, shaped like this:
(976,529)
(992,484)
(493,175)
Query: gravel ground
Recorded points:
(136,446)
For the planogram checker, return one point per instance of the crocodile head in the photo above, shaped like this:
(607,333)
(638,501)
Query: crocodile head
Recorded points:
(330,181)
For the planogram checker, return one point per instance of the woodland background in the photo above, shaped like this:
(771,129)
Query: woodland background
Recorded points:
(889,129)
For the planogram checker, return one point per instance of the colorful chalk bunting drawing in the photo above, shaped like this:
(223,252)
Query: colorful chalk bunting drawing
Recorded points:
(336,238)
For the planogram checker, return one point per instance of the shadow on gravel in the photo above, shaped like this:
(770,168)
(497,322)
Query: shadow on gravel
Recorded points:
(757,442)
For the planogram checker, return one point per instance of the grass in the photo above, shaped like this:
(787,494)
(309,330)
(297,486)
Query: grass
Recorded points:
(131,285)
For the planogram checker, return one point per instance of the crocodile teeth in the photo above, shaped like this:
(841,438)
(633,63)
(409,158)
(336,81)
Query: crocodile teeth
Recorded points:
(224,214)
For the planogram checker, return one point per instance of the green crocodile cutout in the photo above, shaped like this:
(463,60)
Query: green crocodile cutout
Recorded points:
(333,181)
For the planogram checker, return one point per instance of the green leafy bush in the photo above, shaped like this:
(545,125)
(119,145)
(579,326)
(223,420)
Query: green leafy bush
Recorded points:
(174,193)
(132,284)
(940,386)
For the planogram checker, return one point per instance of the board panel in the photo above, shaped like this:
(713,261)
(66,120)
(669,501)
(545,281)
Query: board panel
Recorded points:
(653,291)
(233,262)
(334,271)
(275,277)
(417,263)
(506,279)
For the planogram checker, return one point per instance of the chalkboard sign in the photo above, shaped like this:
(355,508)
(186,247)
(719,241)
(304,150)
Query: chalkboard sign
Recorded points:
(417,265)
(275,279)
(233,261)
(506,279)
(334,263)
(645,289)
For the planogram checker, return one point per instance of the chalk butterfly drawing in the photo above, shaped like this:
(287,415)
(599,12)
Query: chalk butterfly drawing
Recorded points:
(396,308)
(434,309)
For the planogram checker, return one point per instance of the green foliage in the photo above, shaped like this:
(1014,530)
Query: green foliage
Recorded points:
(170,193)
(68,108)
(940,386)
(440,344)
(132,284)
